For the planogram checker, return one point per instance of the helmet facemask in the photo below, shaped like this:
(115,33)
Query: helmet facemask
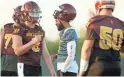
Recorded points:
(33,17)
(64,14)
(57,14)
(31,12)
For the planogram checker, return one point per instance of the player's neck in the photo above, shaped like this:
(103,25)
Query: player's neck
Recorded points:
(106,12)
(16,24)
(67,25)
(32,26)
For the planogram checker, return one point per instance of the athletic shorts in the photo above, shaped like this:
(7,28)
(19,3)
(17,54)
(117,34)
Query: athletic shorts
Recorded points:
(104,68)
(8,73)
(59,73)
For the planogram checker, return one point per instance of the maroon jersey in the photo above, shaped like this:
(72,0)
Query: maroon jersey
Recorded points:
(108,33)
(32,57)
(7,41)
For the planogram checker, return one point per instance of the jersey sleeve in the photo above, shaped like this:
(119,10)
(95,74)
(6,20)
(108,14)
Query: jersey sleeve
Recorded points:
(71,48)
(18,31)
(90,34)
(70,35)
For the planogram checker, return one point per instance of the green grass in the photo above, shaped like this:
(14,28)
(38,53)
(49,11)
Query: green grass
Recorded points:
(53,46)
(79,45)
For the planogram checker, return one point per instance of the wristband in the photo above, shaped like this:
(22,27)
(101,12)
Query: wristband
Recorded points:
(83,65)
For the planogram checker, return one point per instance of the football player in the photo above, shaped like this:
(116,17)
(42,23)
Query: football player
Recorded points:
(66,63)
(104,37)
(9,59)
(29,43)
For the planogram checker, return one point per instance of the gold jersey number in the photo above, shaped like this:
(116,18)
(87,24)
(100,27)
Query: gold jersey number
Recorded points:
(8,38)
(110,38)
(36,48)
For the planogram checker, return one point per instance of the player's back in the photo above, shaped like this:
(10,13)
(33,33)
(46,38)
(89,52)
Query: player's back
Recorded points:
(7,41)
(9,59)
(109,32)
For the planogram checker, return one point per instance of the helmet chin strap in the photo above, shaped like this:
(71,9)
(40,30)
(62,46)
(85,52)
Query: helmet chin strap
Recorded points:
(98,11)
(39,22)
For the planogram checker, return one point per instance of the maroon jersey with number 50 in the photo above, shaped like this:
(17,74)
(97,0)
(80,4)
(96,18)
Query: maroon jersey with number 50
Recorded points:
(108,33)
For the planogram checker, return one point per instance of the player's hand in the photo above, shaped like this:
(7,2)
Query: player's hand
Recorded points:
(64,69)
(81,74)
(54,74)
(53,57)
(36,39)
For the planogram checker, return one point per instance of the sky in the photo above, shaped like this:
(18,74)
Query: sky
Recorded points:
(84,10)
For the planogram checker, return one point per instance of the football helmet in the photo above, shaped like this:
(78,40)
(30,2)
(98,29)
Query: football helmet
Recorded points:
(17,16)
(100,4)
(31,12)
(67,12)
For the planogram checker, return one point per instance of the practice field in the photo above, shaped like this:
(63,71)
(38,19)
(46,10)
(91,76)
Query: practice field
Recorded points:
(53,47)
(45,71)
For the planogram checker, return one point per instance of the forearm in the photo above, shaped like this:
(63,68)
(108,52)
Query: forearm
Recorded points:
(71,47)
(84,62)
(49,64)
(67,61)
(20,50)
(47,58)
(1,40)
(1,44)
(85,54)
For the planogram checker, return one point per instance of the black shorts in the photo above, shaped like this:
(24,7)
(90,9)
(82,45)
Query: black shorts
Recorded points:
(28,70)
(8,73)
(59,73)
(104,68)
(9,62)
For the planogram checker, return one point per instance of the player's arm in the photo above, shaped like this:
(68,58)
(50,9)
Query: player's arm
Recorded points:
(18,46)
(71,48)
(85,55)
(71,54)
(21,49)
(53,57)
(47,58)
(86,51)
(1,39)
